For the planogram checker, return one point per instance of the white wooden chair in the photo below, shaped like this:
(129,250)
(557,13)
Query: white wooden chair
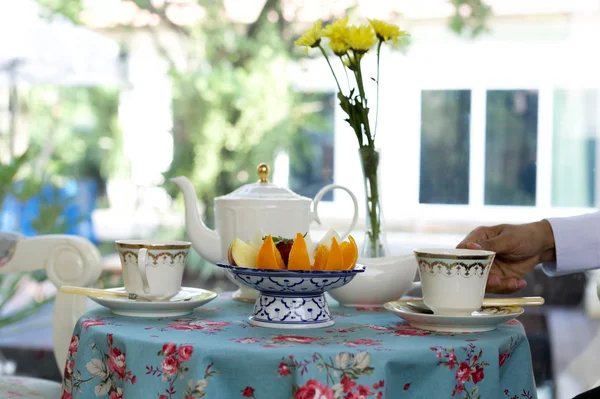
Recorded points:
(68,260)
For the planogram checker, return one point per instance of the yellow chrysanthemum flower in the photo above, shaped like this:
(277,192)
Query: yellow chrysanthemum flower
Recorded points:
(339,47)
(312,37)
(385,31)
(361,38)
(337,31)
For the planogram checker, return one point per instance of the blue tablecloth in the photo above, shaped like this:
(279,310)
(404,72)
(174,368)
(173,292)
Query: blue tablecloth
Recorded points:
(216,353)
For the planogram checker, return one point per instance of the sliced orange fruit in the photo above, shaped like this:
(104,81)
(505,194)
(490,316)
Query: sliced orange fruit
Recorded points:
(268,256)
(299,259)
(335,260)
(349,253)
(321,256)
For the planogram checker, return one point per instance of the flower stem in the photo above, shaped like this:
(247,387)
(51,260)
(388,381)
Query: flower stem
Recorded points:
(363,100)
(330,68)
(374,247)
(377,95)
(345,72)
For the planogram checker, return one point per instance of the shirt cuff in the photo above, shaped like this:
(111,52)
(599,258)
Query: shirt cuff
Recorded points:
(577,244)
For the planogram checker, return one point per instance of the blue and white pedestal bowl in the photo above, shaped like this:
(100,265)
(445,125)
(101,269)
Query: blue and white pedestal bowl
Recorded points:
(291,298)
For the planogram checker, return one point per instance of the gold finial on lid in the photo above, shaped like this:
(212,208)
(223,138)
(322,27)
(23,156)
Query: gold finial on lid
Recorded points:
(263,172)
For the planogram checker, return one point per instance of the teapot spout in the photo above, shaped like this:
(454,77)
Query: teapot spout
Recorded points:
(204,240)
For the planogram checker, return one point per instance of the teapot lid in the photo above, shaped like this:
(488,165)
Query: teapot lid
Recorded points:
(263,189)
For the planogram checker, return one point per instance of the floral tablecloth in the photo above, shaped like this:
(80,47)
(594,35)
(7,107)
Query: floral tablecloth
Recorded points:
(216,353)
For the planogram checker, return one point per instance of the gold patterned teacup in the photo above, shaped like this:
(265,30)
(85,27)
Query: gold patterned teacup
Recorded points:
(151,268)
(453,280)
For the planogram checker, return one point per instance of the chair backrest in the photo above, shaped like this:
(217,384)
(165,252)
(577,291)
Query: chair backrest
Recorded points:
(68,260)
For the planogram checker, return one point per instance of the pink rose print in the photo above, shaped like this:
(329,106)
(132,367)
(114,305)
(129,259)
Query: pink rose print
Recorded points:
(184,327)
(463,373)
(284,370)
(505,355)
(118,394)
(409,331)
(362,342)
(169,349)
(468,370)
(195,325)
(296,339)
(185,352)
(169,365)
(69,367)
(116,362)
(343,373)
(172,367)
(247,340)
(248,392)
(379,328)
(74,345)
(92,323)
(110,370)
(314,389)
(347,384)
(477,375)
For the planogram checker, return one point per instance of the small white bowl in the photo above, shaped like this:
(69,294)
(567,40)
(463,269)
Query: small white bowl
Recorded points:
(385,279)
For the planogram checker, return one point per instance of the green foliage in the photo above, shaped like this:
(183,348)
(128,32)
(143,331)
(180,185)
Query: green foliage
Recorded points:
(236,112)
(8,174)
(470,17)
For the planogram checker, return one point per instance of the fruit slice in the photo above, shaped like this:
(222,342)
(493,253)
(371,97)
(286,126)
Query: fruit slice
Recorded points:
(241,254)
(310,248)
(349,251)
(335,260)
(299,259)
(268,256)
(321,256)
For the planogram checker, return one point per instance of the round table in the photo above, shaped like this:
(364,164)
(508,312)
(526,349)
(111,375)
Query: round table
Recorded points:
(215,353)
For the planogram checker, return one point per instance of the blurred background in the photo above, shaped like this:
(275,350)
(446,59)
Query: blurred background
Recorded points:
(489,114)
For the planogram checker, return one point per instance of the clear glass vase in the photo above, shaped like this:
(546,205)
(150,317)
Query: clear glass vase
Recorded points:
(375,240)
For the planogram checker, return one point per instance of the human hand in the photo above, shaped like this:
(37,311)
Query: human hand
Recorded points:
(519,248)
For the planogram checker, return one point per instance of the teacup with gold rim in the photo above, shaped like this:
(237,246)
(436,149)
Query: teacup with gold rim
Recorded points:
(152,268)
(453,280)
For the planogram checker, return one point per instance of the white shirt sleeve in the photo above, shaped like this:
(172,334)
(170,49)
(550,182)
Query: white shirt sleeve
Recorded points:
(577,243)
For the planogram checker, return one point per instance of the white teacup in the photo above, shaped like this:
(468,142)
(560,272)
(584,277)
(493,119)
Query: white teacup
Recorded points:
(151,268)
(453,280)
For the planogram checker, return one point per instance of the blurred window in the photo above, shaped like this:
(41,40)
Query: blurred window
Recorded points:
(312,152)
(576,128)
(445,129)
(511,147)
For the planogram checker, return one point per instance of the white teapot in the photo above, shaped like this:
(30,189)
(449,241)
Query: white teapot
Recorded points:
(262,205)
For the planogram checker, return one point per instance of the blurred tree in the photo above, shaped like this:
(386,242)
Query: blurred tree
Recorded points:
(470,17)
(233,107)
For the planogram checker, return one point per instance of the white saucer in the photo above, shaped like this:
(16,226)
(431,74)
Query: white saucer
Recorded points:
(487,319)
(172,307)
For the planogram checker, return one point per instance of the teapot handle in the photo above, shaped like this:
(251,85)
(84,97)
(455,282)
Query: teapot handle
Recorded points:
(319,197)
